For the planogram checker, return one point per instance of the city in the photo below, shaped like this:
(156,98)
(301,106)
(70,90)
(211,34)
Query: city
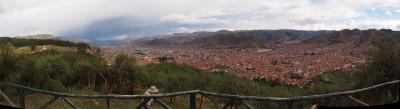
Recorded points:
(294,64)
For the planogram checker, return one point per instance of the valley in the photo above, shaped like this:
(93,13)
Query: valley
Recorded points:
(292,63)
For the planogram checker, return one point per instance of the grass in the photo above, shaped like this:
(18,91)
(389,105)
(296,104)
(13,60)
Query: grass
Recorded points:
(23,50)
(28,50)
(59,48)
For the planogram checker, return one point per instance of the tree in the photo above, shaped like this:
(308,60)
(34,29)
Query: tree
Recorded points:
(7,60)
(384,62)
(125,73)
(33,47)
(101,68)
(82,47)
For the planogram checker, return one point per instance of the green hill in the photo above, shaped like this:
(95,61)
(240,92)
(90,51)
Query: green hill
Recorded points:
(37,36)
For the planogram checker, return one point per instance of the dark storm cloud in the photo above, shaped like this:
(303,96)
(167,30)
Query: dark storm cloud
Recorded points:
(110,28)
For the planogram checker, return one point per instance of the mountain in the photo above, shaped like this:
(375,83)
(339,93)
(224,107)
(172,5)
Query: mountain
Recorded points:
(228,39)
(355,36)
(253,38)
(172,39)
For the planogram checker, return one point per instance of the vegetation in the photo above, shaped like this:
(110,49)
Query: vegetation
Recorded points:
(384,62)
(36,42)
(65,70)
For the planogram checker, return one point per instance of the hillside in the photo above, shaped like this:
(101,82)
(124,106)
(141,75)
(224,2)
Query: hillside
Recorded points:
(230,40)
(253,39)
(37,36)
(22,42)
(354,37)
(264,38)
(171,40)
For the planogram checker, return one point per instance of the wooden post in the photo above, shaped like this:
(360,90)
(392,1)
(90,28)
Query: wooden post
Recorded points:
(290,104)
(247,105)
(21,93)
(70,103)
(143,103)
(7,98)
(164,105)
(358,101)
(49,102)
(201,101)
(387,96)
(192,101)
(108,103)
(398,92)
(229,103)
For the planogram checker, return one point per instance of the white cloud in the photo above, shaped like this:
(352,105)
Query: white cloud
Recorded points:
(2,10)
(120,37)
(57,16)
(371,23)
(388,12)
(190,19)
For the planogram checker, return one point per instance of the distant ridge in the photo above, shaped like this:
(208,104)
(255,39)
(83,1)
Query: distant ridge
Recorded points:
(265,38)
(253,38)
(355,36)
(228,39)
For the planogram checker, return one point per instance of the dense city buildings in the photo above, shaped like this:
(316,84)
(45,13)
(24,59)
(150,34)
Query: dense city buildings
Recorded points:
(294,64)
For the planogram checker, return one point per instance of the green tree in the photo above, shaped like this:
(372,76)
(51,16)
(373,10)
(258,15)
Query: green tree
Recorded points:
(384,62)
(8,60)
(125,74)
(33,47)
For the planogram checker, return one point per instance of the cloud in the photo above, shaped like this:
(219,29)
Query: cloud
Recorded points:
(190,19)
(307,21)
(371,23)
(388,12)
(102,19)
(2,8)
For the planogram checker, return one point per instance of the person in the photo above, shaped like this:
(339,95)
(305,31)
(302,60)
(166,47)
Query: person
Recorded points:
(150,91)
(314,106)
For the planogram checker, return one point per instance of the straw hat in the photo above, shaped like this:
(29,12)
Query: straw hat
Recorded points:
(152,89)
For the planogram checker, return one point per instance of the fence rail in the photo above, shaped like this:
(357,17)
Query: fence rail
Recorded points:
(22,90)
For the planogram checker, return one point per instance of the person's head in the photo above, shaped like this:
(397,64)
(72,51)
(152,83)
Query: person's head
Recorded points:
(152,90)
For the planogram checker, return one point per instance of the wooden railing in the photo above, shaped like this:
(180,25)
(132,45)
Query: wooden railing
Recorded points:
(22,91)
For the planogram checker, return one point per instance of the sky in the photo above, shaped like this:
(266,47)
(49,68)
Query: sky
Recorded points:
(118,19)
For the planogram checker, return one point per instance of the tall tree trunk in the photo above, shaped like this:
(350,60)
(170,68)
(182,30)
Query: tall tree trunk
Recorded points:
(89,86)
(201,101)
(106,85)
(94,82)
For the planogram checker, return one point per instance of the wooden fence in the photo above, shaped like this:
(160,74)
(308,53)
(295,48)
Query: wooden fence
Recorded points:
(22,91)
